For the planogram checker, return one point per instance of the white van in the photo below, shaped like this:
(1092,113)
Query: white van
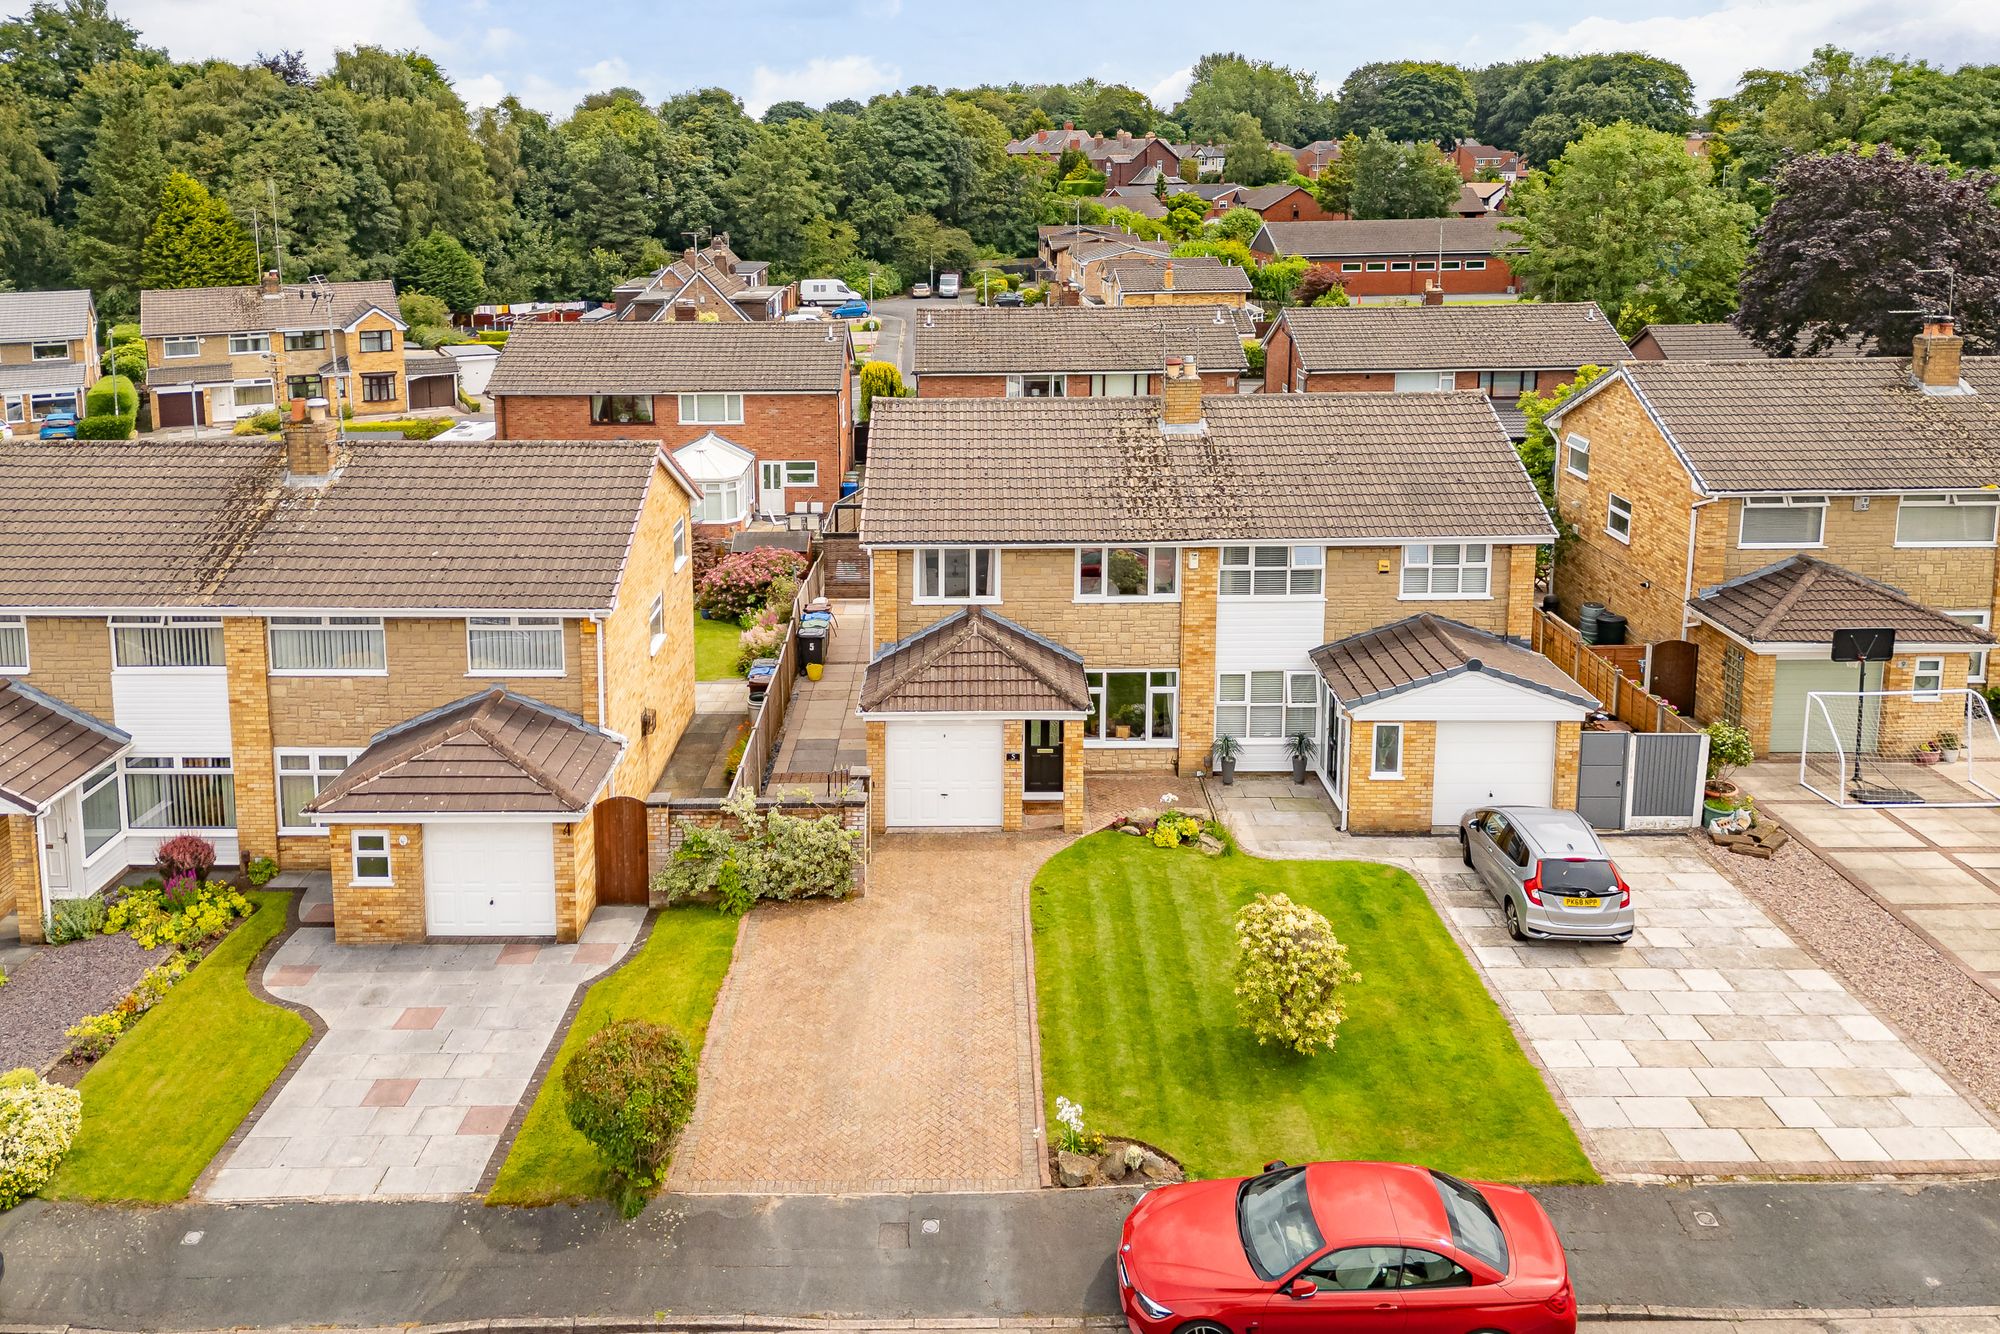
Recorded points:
(948,286)
(826,292)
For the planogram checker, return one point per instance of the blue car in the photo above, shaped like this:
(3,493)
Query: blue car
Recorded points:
(59,426)
(853,310)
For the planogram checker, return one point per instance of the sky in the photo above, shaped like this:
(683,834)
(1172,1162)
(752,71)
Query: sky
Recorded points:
(551,54)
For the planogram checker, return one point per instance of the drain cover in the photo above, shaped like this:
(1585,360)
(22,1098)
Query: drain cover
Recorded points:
(893,1237)
(930,1227)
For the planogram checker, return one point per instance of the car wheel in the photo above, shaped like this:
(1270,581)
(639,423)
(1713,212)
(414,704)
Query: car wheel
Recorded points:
(1514,922)
(1464,848)
(1202,1327)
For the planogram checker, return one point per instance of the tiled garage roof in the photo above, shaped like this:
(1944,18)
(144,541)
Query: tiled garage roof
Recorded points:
(1385,236)
(1522,336)
(45,745)
(975,662)
(1426,649)
(1801,600)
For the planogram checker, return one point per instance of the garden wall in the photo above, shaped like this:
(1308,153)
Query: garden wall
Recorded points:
(668,816)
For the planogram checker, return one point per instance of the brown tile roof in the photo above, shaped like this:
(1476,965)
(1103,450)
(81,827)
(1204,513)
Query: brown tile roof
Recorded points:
(1425,649)
(1384,236)
(45,745)
(612,357)
(1092,251)
(1801,600)
(491,753)
(190,310)
(1193,273)
(1075,338)
(1263,196)
(1821,423)
(418,363)
(1722,342)
(975,662)
(220,372)
(454,525)
(1526,335)
(1333,467)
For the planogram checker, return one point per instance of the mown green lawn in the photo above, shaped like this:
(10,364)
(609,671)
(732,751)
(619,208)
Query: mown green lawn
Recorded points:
(1134,968)
(167,1097)
(715,647)
(673,981)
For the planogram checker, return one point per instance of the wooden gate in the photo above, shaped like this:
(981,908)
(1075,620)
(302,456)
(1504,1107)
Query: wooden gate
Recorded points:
(1673,673)
(620,840)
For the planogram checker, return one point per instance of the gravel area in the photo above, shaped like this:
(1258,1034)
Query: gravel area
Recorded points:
(1900,976)
(60,985)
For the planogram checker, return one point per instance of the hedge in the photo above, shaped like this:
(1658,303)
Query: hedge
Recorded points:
(415,428)
(105,426)
(113,395)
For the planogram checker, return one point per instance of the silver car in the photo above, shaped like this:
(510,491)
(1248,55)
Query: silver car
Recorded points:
(1548,872)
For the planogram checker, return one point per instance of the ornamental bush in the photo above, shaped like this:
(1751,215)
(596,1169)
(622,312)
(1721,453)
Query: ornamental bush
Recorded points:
(185,854)
(761,855)
(38,1122)
(629,1092)
(1728,749)
(113,395)
(1290,968)
(762,640)
(105,426)
(740,583)
(74,919)
(151,917)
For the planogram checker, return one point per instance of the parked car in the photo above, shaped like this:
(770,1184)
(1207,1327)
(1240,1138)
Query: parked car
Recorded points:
(811,316)
(1009,299)
(59,426)
(1368,1247)
(920,290)
(826,292)
(948,286)
(856,309)
(1548,872)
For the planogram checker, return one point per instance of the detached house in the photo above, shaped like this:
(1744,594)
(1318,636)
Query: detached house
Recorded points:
(1286,202)
(1477,161)
(1148,573)
(1193,280)
(1400,258)
(1071,352)
(711,282)
(1081,266)
(48,355)
(426,667)
(1738,513)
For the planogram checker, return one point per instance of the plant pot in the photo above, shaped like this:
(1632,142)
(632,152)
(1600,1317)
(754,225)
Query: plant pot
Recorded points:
(1949,756)
(1712,811)
(1722,789)
(1227,768)
(1298,769)
(1121,731)
(1928,757)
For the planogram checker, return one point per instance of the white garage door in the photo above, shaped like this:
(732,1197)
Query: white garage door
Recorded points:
(490,879)
(1492,764)
(944,774)
(1793,689)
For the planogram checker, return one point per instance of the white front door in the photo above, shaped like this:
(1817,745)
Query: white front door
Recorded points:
(944,774)
(490,879)
(222,402)
(62,847)
(1491,764)
(771,488)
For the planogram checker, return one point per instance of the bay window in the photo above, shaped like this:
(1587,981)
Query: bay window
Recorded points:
(1127,572)
(1782,521)
(958,574)
(722,502)
(175,792)
(166,641)
(302,775)
(1447,570)
(514,646)
(1132,705)
(1960,519)
(710,409)
(1267,705)
(328,645)
(1272,571)
(13,642)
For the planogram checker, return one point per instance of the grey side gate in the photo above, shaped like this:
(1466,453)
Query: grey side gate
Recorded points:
(1600,778)
(1641,780)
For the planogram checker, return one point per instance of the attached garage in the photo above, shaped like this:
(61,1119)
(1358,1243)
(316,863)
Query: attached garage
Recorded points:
(945,774)
(177,407)
(432,378)
(1491,764)
(489,879)
(1791,692)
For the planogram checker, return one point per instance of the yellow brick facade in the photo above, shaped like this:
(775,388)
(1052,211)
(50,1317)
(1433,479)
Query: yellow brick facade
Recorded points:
(1908,723)
(378,914)
(279,364)
(1392,805)
(20,875)
(1569,741)
(1864,541)
(636,677)
(1183,299)
(1362,593)
(884,571)
(1072,781)
(1715,652)
(70,657)
(1200,568)
(878,769)
(1013,743)
(246,650)
(576,877)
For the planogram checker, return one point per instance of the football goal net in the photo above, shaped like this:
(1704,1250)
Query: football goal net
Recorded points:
(1901,748)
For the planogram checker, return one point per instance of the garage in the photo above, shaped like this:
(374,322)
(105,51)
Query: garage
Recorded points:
(182,408)
(1792,689)
(1492,764)
(944,775)
(494,879)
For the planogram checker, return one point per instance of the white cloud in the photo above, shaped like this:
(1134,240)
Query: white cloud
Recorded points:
(1717,45)
(482,90)
(1171,89)
(819,81)
(195,29)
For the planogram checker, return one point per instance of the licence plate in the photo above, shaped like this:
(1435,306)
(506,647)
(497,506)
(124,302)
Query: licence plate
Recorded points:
(1575,901)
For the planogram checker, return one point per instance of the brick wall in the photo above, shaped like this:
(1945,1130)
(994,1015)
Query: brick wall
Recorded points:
(961,386)
(1494,280)
(246,650)
(1361,597)
(20,875)
(369,363)
(1180,298)
(69,657)
(576,877)
(1073,757)
(884,572)
(635,677)
(667,819)
(1759,681)
(379,914)
(1864,541)
(1013,744)
(878,766)
(1280,358)
(1569,743)
(1038,591)
(1392,805)
(1200,567)
(1908,723)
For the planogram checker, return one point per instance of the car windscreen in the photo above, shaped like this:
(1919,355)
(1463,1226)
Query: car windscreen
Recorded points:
(1276,1221)
(1582,877)
(1474,1229)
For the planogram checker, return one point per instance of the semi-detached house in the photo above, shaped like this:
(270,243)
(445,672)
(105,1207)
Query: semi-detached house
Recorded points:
(48,355)
(425,667)
(1072,351)
(1146,574)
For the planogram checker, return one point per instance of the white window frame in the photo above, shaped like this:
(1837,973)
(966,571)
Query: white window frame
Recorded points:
(61,345)
(1576,447)
(656,626)
(207,766)
(1424,382)
(1235,692)
(305,624)
(1376,266)
(680,545)
(1423,556)
(1975,663)
(1449,266)
(1128,384)
(1399,266)
(269,399)
(693,410)
(1017,385)
(1750,503)
(1989,499)
(1613,505)
(172,341)
(13,629)
(1155,555)
(1933,668)
(801,472)
(305,340)
(315,771)
(1474,265)
(1097,690)
(714,506)
(249,344)
(539,624)
(1350,266)
(111,775)
(1299,558)
(928,567)
(356,852)
(15,408)
(1377,732)
(214,623)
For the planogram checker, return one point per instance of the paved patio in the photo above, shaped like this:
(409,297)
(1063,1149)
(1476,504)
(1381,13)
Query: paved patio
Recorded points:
(428,1050)
(1712,1043)
(699,766)
(822,733)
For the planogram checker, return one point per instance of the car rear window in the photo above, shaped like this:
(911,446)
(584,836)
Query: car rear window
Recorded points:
(1276,1221)
(1474,1229)
(1581,877)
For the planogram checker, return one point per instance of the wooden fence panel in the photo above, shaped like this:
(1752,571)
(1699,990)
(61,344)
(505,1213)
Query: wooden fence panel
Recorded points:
(769,730)
(1609,672)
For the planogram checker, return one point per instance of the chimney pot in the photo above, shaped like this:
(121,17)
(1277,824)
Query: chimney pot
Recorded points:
(1167,275)
(1181,391)
(1935,355)
(311,443)
(271,284)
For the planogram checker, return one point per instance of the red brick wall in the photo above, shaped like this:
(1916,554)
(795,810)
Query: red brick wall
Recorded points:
(1299,206)
(1493,280)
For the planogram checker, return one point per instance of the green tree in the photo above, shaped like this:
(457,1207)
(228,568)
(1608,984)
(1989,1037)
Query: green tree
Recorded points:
(122,179)
(1774,114)
(1406,180)
(1286,102)
(1929,112)
(416,130)
(195,240)
(1552,101)
(1115,107)
(439,265)
(1248,157)
(30,245)
(1236,224)
(782,185)
(924,245)
(879,379)
(1334,186)
(1408,100)
(1185,215)
(780,112)
(1627,218)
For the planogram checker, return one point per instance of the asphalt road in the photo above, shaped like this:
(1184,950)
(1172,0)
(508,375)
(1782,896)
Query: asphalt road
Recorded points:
(1046,1253)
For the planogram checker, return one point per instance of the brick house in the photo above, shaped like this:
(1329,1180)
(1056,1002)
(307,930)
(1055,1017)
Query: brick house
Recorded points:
(48,355)
(214,354)
(1081,266)
(1192,280)
(1071,352)
(1389,259)
(760,415)
(712,281)
(1500,351)
(519,611)
(1052,241)
(1476,161)
(1313,158)
(1286,202)
(1702,493)
(1146,573)
(1121,156)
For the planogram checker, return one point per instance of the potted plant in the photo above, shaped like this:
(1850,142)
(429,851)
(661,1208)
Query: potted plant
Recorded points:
(1128,720)
(1948,747)
(1302,748)
(1928,753)
(1728,751)
(1226,749)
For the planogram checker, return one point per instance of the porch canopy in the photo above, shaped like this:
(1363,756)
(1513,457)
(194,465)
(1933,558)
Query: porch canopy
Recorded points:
(1426,650)
(47,747)
(976,662)
(1802,601)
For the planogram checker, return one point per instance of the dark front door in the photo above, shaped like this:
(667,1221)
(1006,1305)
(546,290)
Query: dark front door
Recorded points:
(1673,673)
(619,833)
(1043,771)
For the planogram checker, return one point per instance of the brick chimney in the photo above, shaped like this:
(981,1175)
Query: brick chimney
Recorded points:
(271,284)
(1182,389)
(1068,126)
(1167,276)
(1934,356)
(1433,292)
(312,444)
(1124,136)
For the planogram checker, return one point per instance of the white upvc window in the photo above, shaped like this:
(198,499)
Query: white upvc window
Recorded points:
(1350,266)
(180,792)
(801,472)
(1782,521)
(1272,571)
(302,775)
(1385,751)
(255,394)
(1576,454)
(1267,706)
(249,344)
(1975,666)
(656,625)
(1927,679)
(103,810)
(328,646)
(1425,382)
(370,848)
(13,642)
(722,502)
(1447,570)
(1139,705)
(680,544)
(1449,266)
(16,410)
(1474,265)
(1959,519)
(166,641)
(1127,573)
(1126,385)
(958,574)
(1618,518)
(180,346)
(711,409)
(50,351)
(514,646)
(378,340)
(1037,386)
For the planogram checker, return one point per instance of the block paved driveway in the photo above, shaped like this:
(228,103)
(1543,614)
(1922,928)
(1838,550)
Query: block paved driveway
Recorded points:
(880,1044)
(428,1049)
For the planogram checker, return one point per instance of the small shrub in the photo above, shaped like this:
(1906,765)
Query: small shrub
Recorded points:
(1289,972)
(765,855)
(185,854)
(114,395)
(270,419)
(1728,749)
(149,916)
(1174,828)
(180,891)
(260,871)
(105,426)
(740,583)
(778,598)
(427,428)
(126,333)
(762,640)
(629,1092)
(92,1036)
(38,1122)
(1253,351)
(74,919)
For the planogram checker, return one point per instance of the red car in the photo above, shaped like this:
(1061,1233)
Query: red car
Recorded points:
(1345,1248)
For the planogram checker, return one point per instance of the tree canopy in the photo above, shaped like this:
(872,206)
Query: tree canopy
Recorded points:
(1401,180)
